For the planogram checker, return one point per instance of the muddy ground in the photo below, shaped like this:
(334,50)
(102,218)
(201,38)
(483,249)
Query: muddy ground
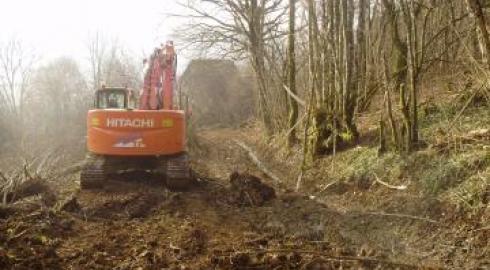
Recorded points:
(234,221)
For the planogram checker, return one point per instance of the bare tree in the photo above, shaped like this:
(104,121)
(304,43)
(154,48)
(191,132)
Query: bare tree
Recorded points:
(241,30)
(16,66)
(111,64)
(350,50)
(97,47)
(62,86)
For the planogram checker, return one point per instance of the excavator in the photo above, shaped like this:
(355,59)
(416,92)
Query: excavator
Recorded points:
(126,133)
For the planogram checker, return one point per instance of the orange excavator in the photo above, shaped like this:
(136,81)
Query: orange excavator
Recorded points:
(150,138)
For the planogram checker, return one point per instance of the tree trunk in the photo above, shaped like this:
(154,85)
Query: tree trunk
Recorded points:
(257,53)
(476,11)
(361,51)
(350,87)
(412,71)
(400,72)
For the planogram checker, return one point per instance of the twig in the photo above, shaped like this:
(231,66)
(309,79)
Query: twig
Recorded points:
(17,235)
(257,162)
(327,186)
(402,187)
(250,199)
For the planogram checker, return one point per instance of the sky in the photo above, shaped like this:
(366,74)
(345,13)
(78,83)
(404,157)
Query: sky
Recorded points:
(55,28)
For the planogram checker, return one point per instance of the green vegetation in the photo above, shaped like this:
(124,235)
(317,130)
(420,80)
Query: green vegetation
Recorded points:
(454,167)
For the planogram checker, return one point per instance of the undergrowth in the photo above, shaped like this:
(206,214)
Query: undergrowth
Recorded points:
(458,174)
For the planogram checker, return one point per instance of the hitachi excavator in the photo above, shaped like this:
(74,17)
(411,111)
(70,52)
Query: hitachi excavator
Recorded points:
(150,138)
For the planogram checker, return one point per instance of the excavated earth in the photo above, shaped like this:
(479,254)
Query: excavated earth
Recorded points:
(234,218)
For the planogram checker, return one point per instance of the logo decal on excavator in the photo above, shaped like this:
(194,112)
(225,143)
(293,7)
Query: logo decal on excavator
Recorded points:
(133,123)
(167,123)
(95,122)
(130,141)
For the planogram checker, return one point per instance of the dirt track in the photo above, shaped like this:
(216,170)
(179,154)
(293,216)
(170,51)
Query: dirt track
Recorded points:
(132,225)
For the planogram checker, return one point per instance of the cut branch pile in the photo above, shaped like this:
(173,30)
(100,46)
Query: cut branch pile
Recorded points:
(20,184)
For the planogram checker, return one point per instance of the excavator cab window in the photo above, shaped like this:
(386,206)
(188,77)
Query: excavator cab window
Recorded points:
(112,99)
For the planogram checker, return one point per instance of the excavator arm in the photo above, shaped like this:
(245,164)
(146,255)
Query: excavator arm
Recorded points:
(160,80)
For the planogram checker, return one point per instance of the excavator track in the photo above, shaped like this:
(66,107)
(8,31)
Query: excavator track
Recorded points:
(175,170)
(178,175)
(93,174)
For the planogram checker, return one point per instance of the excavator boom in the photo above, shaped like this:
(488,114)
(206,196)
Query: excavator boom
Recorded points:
(159,81)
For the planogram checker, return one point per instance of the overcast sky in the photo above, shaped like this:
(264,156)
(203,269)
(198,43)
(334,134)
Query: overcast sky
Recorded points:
(62,27)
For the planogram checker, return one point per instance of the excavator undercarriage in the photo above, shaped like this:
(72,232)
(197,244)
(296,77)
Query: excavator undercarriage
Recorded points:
(174,171)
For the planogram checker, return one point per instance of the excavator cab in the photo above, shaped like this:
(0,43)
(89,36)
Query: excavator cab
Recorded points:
(112,98)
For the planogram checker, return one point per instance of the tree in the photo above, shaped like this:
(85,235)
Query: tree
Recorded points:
(241,30)
(96,52)
(349,97)
(16,66)
(62,87)
(351,51)
(111,64)
(293,104)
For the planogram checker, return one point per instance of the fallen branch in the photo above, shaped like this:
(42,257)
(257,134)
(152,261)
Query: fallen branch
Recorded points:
(295,97)
(466,105)
(257,162)
(482,229)
(480,133)
(328,257)
(400,216)
(401,187)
